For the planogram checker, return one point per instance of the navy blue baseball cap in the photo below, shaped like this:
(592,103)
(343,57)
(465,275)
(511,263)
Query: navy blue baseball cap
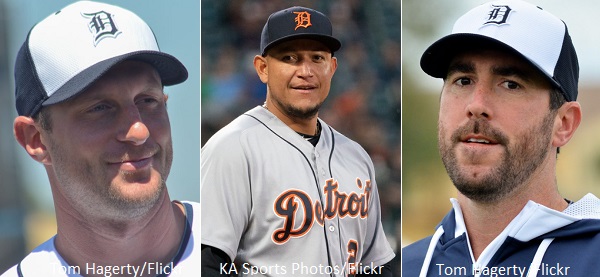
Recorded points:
(72,48)
(294,23)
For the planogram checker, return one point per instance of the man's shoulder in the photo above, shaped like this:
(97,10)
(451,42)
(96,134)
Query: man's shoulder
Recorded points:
(413,255)
(192,214)
(231,133)
(190,255)
(342,141)
(194,205)
(10,272)
(44,260)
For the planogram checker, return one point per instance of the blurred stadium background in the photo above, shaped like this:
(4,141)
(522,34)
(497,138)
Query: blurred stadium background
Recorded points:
(364,102)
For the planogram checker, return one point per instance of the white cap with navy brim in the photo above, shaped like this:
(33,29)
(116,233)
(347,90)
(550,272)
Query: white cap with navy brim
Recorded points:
(517,26)
(70,49)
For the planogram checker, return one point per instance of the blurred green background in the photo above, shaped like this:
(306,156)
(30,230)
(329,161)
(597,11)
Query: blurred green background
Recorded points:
(425,185)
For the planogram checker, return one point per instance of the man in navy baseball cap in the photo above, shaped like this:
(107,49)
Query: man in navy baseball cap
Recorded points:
(260,172)
(89,93)
(508,103)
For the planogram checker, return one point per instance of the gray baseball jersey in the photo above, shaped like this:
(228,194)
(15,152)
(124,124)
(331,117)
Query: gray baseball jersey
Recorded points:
(280,206)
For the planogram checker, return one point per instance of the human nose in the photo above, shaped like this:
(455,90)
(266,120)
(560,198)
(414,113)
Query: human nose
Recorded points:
(479,102)
(306,69)
(134,130)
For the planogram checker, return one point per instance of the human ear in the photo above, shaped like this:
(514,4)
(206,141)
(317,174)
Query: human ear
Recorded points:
(27,133)
(333,65)
(260,64)
(567,120)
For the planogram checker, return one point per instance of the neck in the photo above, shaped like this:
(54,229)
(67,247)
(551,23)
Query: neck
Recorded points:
(154,237)
(485,221)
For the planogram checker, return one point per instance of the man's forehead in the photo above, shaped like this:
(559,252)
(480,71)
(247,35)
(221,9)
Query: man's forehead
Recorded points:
(495,58)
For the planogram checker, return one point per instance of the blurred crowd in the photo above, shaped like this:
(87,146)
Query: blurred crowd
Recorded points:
(364,101)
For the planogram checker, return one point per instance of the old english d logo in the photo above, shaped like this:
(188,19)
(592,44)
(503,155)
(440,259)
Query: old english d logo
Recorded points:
(102,26)
(302,20)
(498,14)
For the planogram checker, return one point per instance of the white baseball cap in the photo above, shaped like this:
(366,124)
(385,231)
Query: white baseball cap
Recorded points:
(70,49)
(524,29)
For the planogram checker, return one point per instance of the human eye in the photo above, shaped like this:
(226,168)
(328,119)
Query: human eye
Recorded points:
(463,81)
(148,101)
(100,107)
(289,58)
(511,85)
(318,57)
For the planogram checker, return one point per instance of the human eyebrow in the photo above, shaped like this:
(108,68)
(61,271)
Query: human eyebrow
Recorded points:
(460,67)
(154,88)
(515,71)
(83,98)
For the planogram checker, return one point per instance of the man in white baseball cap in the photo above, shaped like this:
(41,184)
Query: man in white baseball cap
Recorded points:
(508,103)
(92,110)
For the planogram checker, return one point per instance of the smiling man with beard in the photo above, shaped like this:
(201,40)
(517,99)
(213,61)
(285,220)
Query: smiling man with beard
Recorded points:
(288,194)
(507,105)
(92,110)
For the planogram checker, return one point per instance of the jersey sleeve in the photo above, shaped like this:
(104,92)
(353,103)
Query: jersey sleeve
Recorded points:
(225,193)
(212,260)
(12,272)
(377,248)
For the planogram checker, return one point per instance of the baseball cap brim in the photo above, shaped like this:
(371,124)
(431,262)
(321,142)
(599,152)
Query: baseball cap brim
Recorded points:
(332,43)
(437,58)
(169,68)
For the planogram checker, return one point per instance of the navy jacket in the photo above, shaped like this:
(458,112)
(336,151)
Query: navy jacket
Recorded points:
(555,243)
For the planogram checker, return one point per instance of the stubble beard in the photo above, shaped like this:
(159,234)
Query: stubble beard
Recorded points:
(299,113)
(296,112)
(519,160)
(97,196)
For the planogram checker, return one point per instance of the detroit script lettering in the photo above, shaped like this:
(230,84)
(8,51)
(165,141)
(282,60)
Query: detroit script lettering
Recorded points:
(299,212)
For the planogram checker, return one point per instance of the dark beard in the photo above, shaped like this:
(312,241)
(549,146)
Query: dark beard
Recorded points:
(519,161)
(298,113)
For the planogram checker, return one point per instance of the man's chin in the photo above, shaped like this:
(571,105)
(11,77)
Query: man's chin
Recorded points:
(307,112)
(483,190)
(133,195)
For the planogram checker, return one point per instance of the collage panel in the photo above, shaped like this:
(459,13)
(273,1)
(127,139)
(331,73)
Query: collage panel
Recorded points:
(499,127)
(300,169)
(87,139)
